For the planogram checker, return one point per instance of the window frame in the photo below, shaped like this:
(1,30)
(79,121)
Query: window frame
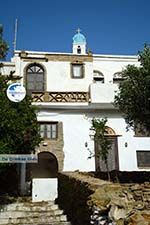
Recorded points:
(51,131)
(82,70)
(117,78)
(30,73)
(139,163)
(98,77)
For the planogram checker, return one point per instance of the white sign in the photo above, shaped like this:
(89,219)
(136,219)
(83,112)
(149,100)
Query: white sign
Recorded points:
(12,158)
(44,189)
(16,92)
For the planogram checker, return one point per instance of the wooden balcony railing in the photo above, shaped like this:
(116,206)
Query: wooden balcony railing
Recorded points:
(69,97)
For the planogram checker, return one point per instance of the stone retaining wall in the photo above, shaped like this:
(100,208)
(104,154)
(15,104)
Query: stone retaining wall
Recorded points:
(124,176)
(87,200)
(73,195)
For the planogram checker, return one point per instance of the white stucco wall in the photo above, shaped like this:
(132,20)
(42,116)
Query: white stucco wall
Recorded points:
(7,68)
(76,128)
(127,155)
(102,93)
(109,65)
(76,125)
(58,75)
(76,134)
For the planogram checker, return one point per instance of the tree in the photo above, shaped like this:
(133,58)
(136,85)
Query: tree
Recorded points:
(133,98)
(19,130)
(3,45)
(103,143)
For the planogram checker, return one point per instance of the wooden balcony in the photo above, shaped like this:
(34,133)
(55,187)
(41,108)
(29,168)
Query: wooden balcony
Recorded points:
(70,97)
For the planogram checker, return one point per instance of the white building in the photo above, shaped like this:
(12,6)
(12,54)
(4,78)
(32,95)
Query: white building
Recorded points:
(70,89)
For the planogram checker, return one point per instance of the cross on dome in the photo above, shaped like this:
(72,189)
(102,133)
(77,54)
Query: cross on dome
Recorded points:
(79,38)
(78,30)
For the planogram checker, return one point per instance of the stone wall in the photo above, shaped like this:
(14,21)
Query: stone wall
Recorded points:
(73,195)
(87,200)
(124,176)
(55,146)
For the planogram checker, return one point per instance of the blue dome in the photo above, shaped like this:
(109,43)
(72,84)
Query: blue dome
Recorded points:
(79,39)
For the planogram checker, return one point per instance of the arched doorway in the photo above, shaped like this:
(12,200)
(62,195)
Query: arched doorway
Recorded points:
(44,177)
(112,159)
(47,166)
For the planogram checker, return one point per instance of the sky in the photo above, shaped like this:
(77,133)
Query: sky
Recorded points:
(119,27)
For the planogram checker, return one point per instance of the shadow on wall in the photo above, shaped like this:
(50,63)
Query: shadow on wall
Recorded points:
(124,176)
(9,181)
(47,167)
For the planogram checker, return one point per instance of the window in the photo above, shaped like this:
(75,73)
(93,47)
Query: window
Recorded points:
(98,76)
(79,50)
(35,78)
(143,158)
(117,78)
(48,130)
(77,70)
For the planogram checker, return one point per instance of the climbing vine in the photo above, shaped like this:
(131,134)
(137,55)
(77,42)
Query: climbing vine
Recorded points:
(103,143)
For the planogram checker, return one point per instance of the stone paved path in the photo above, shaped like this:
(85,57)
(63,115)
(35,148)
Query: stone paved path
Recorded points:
(28,213)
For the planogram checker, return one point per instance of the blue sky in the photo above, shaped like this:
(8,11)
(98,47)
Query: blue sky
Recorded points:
(110,26)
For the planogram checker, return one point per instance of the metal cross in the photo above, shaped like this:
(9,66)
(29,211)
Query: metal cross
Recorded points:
(78,30)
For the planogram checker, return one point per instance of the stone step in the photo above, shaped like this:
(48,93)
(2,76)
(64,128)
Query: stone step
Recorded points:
(32,203)
(29,202)
(34,220)
(29,213)
(54,223)
(21,213)
(29,207)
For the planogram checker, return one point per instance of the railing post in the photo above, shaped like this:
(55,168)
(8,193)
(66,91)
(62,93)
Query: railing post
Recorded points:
(46,97)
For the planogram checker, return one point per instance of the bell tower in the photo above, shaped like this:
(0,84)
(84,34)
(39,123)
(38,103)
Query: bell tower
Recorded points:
(79,43)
